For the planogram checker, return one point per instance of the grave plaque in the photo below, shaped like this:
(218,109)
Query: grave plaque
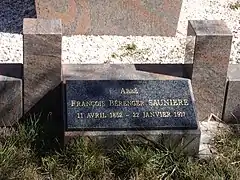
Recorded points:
(129,105)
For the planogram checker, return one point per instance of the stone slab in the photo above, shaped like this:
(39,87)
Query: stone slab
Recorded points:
(42,59)
(210,64)
(42,26)
(11,100)
(233,72)
(208,28)
(129,104)
(118,17)
(108,72)
(232,99)
(187,141)
(188,138)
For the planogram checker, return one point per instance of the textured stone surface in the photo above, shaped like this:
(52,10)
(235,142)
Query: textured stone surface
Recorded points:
(12,14)
(209,131)
(210,65)
(189,49)
(232,101)
(118,17)
(208,28)
(129,104)
(11,100)
(187,139)
(42,59)
(109,71)
(42,26)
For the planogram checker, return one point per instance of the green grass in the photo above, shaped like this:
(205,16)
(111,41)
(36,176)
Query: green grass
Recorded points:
(131,47)
(130,50)
(23,155)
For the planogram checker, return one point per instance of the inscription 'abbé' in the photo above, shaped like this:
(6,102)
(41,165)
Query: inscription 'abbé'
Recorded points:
(129,91)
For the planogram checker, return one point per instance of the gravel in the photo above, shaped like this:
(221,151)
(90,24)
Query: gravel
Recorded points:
(147,49)
(112,49)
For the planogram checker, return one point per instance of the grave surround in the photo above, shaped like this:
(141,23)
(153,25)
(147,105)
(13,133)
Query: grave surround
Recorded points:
(188,136)
(42,40)
(11,100)
(213,42)
(231,112)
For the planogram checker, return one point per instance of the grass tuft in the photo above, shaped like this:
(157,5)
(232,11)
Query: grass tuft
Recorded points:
(235,6)
(131,47)
(131,50)
(141,159)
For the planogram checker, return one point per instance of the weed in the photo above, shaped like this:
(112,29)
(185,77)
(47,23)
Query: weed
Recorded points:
(235,6)
(131,47)
(114,55)
(130,50)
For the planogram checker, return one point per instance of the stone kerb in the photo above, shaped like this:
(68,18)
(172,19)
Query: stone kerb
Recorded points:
(231,112)
(125,125)
(42,40)
(11,100)
(213,42)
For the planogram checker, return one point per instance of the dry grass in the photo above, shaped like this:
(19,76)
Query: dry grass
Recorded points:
(21,157)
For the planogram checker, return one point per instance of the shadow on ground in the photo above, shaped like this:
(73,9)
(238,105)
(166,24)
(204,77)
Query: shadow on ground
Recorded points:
(12,13)
(178,70)
(14,70)
(49,110)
